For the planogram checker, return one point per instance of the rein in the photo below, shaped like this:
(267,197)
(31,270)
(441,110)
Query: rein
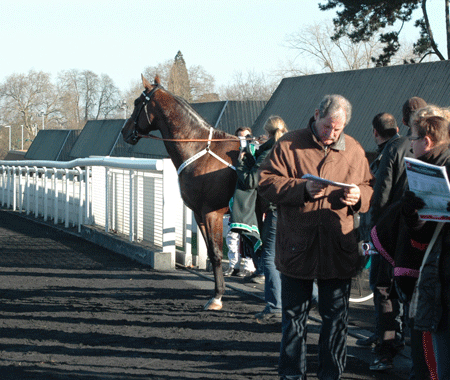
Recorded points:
(136,135)
(150,136)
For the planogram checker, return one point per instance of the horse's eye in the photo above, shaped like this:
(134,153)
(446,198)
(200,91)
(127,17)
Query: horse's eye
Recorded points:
(136,102)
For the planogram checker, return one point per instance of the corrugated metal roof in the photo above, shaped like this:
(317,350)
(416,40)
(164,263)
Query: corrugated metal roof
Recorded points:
(229,116)
(210,111)
(370,92)
(68,145)
(49,144)
(97,138)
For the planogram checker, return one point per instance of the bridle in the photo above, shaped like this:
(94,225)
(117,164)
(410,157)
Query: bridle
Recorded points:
(147,97)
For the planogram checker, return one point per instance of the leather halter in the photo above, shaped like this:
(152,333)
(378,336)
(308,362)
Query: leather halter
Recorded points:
(147,97)
(136,135)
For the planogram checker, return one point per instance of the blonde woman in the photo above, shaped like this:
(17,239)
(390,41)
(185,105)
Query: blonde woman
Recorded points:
(247,171)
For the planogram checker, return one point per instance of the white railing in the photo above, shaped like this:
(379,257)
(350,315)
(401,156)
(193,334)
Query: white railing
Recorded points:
(138,198)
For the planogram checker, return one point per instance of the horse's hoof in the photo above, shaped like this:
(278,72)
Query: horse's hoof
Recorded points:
(213,304)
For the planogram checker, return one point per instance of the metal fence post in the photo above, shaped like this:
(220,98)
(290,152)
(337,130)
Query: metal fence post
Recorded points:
(14,187)
(27,190)
(19,192)
(87,194)
(56,196)
(131,204)
(106,199)
(45,194)
(170,181)
(67,199)
(36,195)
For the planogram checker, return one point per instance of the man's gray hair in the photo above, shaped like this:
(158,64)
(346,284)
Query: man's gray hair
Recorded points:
(330,104)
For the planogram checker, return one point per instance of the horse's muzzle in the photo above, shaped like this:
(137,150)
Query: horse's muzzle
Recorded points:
(131,138)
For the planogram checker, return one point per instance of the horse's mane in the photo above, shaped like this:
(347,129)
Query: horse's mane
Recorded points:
(195,115)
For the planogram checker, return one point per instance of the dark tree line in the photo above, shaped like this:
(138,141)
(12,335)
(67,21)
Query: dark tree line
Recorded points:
(361,19)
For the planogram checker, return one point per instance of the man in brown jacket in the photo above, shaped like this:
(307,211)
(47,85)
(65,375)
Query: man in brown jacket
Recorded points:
(315,231)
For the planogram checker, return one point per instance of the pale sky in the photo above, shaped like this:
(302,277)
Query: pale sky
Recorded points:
(120,38)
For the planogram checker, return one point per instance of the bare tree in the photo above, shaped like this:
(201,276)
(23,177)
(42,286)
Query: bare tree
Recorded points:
(314,42)
(89,86)
(70,97)
(25,98)
(162,70)
(331,55)
(108,98)
(250,86)
(290,68)
(202,85)
(86,96)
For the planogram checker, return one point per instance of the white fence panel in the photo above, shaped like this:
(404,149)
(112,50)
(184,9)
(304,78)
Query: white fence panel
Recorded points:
(138,198)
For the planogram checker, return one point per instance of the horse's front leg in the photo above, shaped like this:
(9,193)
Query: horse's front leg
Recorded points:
(214,243)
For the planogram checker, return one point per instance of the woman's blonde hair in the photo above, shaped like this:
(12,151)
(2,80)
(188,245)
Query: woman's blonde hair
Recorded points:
(428,110)
(428,121)
(275,127)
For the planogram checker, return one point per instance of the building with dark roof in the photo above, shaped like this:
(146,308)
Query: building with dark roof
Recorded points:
(98,138)
(52,145)
(370,92)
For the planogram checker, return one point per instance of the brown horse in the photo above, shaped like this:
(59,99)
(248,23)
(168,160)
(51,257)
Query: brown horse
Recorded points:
(206,183)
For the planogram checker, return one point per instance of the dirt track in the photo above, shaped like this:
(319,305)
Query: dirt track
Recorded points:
(72,310)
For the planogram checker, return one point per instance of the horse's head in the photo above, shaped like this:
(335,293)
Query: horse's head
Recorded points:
(142,119)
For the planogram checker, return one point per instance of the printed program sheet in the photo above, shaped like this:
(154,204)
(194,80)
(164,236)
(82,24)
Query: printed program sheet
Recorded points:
(326,181)
(429,182)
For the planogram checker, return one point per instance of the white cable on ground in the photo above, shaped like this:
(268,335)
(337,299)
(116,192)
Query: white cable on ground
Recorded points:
(363,299)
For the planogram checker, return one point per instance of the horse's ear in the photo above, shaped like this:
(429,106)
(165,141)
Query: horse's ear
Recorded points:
(146,83)
(157,80)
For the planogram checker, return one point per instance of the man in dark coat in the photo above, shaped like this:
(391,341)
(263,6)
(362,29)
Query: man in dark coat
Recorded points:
(390,185)
(390,175)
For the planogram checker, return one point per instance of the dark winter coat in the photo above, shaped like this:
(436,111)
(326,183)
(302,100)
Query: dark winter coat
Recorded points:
(247,172)
(434,287)
(391,177)
(247,207)
(402,240)
(365,224)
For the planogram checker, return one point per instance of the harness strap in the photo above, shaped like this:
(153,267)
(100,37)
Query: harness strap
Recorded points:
(222,160)
(190,160)
(202,153)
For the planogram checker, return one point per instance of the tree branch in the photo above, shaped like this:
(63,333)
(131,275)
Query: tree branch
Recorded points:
(430,33)
(447,26)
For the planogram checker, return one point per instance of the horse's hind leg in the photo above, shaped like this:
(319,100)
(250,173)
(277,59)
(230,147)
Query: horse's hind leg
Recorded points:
(212,230)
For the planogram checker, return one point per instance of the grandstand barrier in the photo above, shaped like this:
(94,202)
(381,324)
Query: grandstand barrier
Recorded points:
(131,206)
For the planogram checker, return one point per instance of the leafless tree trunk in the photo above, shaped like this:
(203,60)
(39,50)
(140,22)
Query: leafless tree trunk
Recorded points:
(430,32)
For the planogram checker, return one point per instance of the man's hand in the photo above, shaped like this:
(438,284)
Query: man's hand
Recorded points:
(351,196)
(315,189)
